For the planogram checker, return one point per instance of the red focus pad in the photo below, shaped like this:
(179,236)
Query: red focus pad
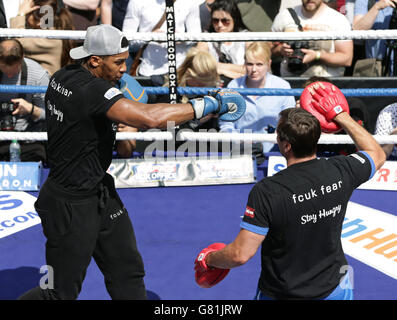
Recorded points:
(324,100)
(207,277)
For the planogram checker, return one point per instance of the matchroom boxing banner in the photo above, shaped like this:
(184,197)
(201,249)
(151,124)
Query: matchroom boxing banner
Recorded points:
(384,179)
(137,173)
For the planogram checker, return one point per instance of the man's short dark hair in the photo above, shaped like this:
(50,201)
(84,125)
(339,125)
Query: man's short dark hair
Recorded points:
(301,129)
(11,54)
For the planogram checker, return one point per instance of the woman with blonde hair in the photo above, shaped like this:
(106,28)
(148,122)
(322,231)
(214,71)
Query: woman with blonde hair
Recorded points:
(261,115)
(199,69)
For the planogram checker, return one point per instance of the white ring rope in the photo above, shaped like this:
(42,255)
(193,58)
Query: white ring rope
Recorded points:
(222,36)
(199,136)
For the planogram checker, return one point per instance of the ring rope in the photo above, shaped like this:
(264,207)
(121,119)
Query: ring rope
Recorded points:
(360,92)
(199,136)
(239,36)
(214,36)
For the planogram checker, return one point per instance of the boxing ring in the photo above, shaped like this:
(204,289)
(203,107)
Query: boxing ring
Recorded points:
(172,224)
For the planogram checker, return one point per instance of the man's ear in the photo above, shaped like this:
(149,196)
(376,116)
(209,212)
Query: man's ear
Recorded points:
(285,146)
(95,61)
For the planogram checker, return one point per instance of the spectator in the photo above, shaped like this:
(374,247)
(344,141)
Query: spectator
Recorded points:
(349,10)
(51,54)
(113,12)
(332,4)
(261,115)
(28,114)
(225,17)
(143,16)
(205,15)
(3,16)
(371,15)
(289,4)
(8,9)
(106,11)
(258,15)
(199,69)
(346,7)
(84,13)
(386,124)
(320,58)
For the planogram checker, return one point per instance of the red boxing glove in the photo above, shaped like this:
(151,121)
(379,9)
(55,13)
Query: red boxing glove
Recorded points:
(207,277)
(324,100)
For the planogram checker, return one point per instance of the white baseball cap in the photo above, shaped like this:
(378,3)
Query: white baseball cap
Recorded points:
(100,40)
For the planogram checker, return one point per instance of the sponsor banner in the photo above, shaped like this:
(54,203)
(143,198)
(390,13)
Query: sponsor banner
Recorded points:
(16,212)
(384,179)
(130,173)
(370,236)
(275,164)
(20,176)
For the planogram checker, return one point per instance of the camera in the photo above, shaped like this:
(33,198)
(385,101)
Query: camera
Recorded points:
(295,63)
(7,120)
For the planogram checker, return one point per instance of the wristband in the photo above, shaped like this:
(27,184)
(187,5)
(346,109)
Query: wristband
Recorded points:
(31,111)
(318,55)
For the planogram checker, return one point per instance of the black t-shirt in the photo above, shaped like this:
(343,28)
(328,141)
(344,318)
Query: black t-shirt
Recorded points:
(80,136)
(301,210)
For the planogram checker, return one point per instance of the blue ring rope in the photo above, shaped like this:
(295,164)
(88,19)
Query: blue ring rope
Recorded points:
(362,92)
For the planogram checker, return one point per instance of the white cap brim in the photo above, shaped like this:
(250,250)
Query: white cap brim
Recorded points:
(78,53)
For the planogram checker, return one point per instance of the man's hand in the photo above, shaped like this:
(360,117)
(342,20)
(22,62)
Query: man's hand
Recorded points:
(381,4)
(310,55)
(26,7)
(23,107)
(283,49)
(324,100)
(206,276)
(328,99)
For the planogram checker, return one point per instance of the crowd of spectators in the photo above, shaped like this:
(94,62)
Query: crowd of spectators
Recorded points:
(237,63)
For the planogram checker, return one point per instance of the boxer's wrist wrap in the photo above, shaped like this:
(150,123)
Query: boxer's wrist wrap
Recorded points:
(204,106)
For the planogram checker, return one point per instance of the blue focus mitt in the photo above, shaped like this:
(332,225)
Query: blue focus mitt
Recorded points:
(228,103)
(131,89)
